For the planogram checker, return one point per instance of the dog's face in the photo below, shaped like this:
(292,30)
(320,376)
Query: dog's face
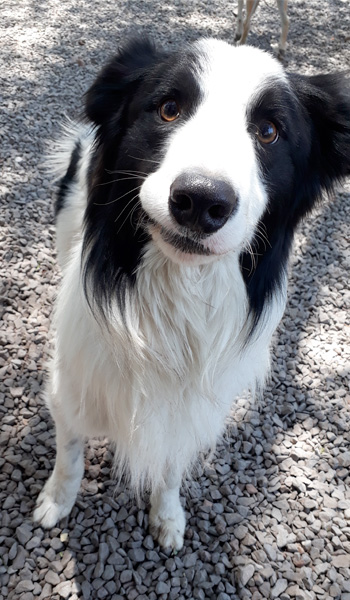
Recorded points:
(194,136)
(208,192)
(204,152)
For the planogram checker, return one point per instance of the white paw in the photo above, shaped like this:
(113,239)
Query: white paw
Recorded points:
(51,507)
(168,529)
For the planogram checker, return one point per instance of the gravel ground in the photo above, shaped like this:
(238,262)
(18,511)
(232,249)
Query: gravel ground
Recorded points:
(269,515)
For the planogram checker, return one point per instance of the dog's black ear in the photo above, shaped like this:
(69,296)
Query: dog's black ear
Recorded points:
(119,77)
(326,99)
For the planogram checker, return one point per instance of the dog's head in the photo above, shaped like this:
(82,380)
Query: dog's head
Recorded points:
(208,151)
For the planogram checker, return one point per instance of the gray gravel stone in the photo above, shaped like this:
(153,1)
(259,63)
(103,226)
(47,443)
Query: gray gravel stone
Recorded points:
(240,532)
(70,570)
(98,570)
(279,587)
(24,586)
(137,555)
(19,560)
(162,588)
(63,589)
(189,560)
(86,590)
(126,576)
(24,533)
(244,574)
(52,578)
(103,552)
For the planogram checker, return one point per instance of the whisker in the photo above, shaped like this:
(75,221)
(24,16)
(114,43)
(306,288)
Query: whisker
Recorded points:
(132,214)
(119,198)
(120,179)
(126,172)
(141,222)
(253,256)
(157,162)
(258,237)
(125,207)
(262,235)
(261,226)
(129,214)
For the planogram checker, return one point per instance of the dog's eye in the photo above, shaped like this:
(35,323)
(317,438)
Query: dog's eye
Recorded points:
(169,110)
(267,133)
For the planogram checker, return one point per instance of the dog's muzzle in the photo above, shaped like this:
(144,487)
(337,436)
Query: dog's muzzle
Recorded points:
(201,204)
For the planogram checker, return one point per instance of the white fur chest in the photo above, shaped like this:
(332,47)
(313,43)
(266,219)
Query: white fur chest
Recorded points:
(176,370)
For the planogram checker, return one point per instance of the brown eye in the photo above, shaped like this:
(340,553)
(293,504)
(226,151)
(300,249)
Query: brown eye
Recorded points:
(169,110)
(267,133)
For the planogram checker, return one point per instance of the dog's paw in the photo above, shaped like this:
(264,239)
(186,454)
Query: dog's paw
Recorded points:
(168,530)
(51,507)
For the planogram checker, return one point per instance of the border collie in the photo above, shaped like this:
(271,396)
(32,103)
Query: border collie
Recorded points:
(178,199)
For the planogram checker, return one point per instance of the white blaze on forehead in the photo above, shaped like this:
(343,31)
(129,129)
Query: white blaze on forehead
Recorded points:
(239,72)
(215,140)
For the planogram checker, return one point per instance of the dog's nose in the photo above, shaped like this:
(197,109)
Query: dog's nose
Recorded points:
(201,203)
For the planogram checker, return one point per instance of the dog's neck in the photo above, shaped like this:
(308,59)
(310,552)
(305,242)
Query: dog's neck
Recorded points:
(189,316)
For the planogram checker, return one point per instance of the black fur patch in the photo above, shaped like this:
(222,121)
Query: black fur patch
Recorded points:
(131,140)
(312,115)
(66,181)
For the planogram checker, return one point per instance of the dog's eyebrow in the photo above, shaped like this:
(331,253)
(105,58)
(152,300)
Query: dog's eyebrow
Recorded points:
(273,100)
(180,82)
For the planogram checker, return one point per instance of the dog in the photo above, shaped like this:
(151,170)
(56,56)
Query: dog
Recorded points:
(178,199)
(242,28)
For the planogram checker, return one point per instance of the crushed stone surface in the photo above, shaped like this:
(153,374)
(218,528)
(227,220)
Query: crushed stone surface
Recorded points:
(269,515)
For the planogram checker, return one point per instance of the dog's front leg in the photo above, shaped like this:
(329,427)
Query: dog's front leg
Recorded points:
(167,517)
(58,496)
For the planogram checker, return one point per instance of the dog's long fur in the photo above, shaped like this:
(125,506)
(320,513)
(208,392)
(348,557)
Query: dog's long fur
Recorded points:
(166,310)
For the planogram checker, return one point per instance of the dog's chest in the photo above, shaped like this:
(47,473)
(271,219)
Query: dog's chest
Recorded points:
(190,320)
(183,353)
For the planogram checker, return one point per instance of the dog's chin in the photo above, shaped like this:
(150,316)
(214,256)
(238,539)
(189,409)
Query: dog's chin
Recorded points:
(181,250)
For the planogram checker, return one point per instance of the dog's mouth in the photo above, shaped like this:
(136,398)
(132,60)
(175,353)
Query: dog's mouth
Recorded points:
(183,243)
(180,242)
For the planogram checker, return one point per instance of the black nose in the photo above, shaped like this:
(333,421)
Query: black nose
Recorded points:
(200,203)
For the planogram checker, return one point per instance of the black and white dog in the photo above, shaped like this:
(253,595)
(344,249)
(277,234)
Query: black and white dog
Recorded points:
(176,210)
